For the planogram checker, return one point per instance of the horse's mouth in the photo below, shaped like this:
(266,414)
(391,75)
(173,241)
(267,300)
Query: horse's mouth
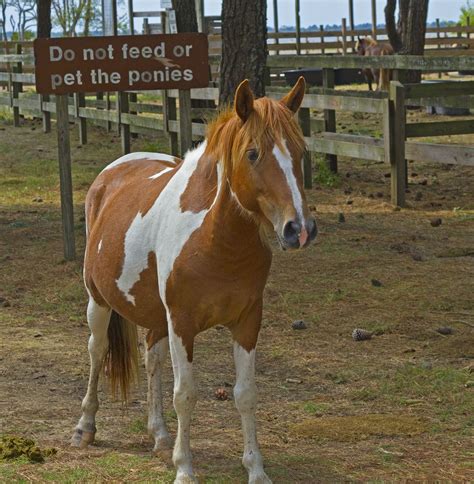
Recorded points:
(285,246)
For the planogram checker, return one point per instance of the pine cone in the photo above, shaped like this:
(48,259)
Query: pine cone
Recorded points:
(221,394)
(361,334)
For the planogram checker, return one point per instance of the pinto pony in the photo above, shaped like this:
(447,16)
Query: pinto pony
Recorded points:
(369,46)
(178,247)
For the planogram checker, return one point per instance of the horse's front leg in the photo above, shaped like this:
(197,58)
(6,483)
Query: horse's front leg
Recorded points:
(184,400)
(245,393)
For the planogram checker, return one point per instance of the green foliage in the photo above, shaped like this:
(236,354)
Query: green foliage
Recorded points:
(27,35)
(324,176)
(313,408)
(467,11)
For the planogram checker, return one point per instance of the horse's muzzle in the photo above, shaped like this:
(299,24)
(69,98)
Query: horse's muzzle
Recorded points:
(295,236)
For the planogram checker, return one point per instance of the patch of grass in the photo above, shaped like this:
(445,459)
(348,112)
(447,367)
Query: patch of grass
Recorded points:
(313,408)
(364,395)
(324,176)
(442,386)
(155,147)
(360,427)
(337,295)
(6,115)
(338,378)
(138,426)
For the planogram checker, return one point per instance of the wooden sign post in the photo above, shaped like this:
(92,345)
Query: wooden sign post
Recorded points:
(115,64)
(65,178)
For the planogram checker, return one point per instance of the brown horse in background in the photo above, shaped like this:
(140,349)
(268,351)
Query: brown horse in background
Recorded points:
(382,77)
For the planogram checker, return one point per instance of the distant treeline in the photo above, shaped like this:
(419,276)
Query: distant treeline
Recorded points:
(291,28)
(365,26)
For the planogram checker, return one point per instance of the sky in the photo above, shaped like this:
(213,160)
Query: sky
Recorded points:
(327,11)
(317,12)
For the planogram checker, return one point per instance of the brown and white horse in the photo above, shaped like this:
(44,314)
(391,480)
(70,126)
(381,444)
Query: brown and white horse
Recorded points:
(178,247)
(370,47)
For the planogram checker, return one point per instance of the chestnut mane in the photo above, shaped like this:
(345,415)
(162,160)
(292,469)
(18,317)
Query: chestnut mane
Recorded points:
(270,121)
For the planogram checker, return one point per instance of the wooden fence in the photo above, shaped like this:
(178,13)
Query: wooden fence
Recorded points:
(437,40)
(132,116)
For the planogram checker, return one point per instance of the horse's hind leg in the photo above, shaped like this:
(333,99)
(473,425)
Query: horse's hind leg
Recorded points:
(98,318)
(156,352)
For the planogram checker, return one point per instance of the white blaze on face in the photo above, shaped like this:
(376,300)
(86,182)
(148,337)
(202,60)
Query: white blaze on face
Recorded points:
(286,164)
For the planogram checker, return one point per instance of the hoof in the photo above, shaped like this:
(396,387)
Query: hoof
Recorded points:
(163,443)
(260,478)
(82,439)
(185,479)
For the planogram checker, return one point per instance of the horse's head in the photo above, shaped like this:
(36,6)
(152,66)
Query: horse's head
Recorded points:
(361,45)
(265,172)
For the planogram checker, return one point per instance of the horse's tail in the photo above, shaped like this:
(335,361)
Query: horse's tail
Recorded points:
(121,360)
(385,75)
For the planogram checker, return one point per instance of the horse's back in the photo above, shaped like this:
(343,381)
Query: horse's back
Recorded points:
(122,193)
(125,173)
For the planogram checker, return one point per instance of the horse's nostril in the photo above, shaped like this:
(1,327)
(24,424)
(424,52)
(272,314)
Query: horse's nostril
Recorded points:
(291,233)
(312,229)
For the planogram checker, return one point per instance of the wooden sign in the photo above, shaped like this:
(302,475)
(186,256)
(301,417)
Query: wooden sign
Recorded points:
(123,63)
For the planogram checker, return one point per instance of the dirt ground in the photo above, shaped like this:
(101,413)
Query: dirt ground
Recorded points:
(396,407)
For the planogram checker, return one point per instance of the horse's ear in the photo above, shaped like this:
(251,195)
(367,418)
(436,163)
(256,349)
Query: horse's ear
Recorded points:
(295,97)
(243,102)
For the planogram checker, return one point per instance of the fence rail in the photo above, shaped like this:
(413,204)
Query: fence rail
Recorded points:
(133,116)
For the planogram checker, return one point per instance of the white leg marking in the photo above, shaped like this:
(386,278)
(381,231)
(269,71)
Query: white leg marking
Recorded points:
(98,319)
(99,246)
(154,361)
(245,394)
(286,165)
(184,400)
(140,155)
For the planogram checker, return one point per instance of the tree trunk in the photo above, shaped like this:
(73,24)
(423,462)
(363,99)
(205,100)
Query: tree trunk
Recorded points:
(186,19)
(186,22)
(244,47)
(408,38)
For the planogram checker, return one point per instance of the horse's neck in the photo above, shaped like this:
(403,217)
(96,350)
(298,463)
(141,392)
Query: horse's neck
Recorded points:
(232,227)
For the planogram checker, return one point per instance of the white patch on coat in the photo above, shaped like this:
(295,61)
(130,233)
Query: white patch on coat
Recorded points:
(164,229)
(162,172)
(140,155)
(286,165)
(99,246)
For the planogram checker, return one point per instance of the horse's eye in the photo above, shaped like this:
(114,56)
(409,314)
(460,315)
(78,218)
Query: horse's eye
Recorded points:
(252,155)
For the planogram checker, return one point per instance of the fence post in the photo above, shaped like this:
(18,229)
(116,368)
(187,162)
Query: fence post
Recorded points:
(396,131)
(133,98)
(46,115)
(330,116)
(65,178)
(321,29)
(344,34)
(185,121)
(305,123)
(80,102)
(298,27)
(17,87)
(124,108)
(171,116)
